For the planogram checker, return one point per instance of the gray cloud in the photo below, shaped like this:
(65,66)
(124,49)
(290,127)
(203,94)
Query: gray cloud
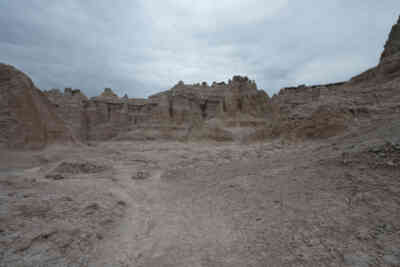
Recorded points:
(141,47)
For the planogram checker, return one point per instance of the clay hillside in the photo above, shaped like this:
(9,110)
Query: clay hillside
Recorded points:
(203,175)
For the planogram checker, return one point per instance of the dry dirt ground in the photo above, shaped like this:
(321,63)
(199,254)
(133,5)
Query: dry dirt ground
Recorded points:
(324,203)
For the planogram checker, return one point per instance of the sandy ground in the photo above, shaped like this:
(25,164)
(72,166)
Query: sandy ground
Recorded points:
(331,203)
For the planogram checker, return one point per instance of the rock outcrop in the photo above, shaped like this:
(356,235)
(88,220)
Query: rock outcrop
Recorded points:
(69,106)
(180,113)
(233,110)
(108,94)
(392,45)
(27,117)
(322,111)
(389,64)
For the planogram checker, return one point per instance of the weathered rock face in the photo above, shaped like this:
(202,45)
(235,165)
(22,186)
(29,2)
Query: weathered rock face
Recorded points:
(196,102)
(392,45)
(69,107)
(309,112)
(389,64)
(173,114)
(108,94)
(27,117)
(327,110)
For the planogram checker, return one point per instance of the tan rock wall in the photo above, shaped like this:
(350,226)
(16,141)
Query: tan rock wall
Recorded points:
(28,119)
(183,106)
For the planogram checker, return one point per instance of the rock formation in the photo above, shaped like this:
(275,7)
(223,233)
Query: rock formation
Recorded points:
(392,45)
(27,117)
(235,110)
(108,93)
(326,110)
(69,107)
(174,114)
(389,64)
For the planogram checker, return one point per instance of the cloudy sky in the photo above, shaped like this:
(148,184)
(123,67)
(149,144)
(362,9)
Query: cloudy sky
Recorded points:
(141,47)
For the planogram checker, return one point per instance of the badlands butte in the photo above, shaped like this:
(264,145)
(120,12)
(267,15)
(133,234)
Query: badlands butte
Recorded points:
(203,175)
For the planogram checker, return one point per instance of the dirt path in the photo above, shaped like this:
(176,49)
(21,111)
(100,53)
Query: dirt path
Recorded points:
(208,205)
(245,207)
(188,215)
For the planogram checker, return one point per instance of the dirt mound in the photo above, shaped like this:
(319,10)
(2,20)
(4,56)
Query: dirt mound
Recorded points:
(79,166)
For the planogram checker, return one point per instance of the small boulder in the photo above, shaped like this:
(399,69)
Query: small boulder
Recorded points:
(140,175)
(55,176)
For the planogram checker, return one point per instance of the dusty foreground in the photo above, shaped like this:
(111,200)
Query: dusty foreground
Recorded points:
(335,203)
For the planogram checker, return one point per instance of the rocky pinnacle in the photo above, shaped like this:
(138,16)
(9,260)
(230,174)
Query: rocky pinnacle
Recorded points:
(392,45)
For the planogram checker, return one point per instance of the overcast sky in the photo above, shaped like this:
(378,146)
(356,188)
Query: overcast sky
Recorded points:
(144,46)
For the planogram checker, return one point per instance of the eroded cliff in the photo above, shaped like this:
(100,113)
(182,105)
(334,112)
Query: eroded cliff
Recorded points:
(27,117)
(180,113)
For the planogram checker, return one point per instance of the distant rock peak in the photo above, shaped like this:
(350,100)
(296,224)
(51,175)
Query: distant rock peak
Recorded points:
(392,45)
(68,92)
(237,83)
(108,92)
